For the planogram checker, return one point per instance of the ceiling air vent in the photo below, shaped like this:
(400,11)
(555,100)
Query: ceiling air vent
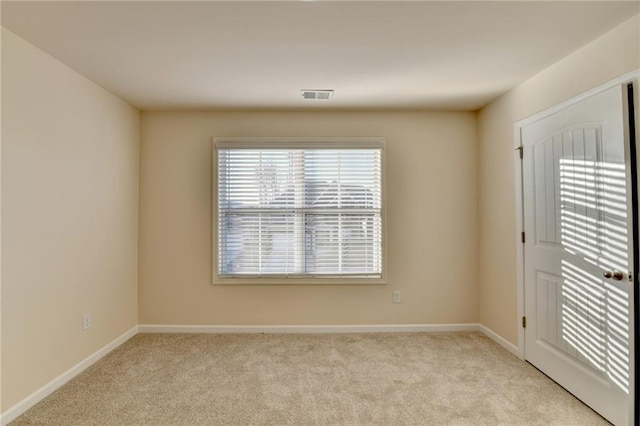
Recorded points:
(317,94)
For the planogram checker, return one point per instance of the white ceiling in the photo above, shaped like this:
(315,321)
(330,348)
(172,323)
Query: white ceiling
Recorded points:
(251,55)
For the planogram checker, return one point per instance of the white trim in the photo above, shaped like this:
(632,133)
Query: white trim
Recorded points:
(632,287)
(329,329)
(311,329)
(625,78)
(519,244)
(499,340)
(298,143)
(22,406)
(31,400)
(633,76)
(517,141)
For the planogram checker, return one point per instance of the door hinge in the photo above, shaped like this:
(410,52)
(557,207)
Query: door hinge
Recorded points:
(522,238)
(524,322)
(520,150)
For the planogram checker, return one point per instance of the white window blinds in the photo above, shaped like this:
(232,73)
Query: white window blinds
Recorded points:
(313,211)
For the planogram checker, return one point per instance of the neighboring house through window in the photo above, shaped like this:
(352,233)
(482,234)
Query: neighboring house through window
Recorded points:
(304,208)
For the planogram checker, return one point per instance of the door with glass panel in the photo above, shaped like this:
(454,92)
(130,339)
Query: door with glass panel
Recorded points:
(577,251)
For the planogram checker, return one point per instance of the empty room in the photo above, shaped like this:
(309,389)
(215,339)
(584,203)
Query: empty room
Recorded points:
(319,212)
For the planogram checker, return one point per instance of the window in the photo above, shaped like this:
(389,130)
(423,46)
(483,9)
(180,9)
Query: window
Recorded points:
(299,209)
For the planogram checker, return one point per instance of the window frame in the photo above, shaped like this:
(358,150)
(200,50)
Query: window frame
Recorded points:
(295,143)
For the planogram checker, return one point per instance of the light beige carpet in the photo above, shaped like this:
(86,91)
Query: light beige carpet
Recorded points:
(293,379)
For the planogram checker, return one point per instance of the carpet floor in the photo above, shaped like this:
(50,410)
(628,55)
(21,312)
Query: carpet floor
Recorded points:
(310,379)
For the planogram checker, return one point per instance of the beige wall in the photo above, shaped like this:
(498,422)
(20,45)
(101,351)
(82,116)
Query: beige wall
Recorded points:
(431,222)
(611,55)
(69,217)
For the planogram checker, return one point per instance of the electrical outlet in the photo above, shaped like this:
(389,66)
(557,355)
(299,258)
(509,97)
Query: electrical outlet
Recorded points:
(396,297)
(86,321)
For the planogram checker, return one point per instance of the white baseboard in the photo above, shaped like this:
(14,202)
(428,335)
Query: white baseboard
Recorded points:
(282,329)
(257,329)
(22,406)
(499,340)
(63,378)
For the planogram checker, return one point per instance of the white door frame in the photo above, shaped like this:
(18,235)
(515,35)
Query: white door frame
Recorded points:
(634,77)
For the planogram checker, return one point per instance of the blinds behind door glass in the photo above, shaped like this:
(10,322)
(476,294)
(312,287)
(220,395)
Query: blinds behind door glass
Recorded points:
(313,212)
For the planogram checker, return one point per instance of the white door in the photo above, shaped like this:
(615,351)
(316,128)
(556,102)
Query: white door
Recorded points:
(577,257)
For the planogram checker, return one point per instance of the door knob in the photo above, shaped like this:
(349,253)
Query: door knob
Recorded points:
(614,275)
